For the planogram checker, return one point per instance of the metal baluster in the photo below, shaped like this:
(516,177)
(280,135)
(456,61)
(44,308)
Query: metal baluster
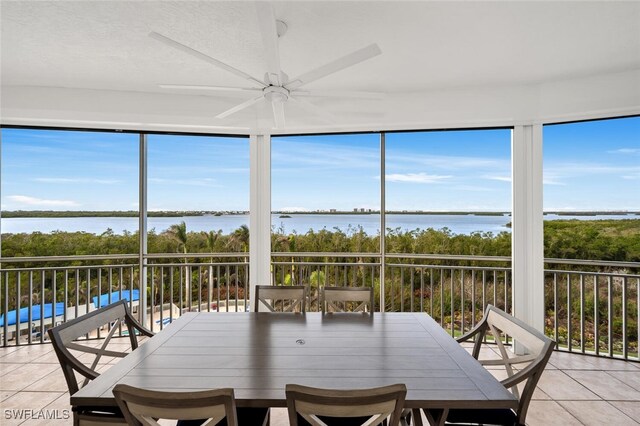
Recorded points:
(596,316)
(18,290)
(401,292)
(431,290)
(30,313)
(421,289)
(462,304)
(569,313)
(121,289)
(171,294)
(582,336)
(162,298)
(625,341)
(152,305)
(66,293)
(452,305)
(610,314)
(218,288)
(555,306)
(5,327)
(42,303)
(441,297)
(473,298)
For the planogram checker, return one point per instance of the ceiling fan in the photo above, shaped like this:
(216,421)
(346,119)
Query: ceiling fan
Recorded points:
(277,88)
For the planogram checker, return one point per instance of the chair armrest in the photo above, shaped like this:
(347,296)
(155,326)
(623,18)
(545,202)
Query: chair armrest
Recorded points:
(136,325)
(471,333)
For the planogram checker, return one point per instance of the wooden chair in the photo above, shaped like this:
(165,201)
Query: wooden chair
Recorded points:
(328,407)
(335,299)
(64,339)
(293,298)
(142,407)
(537,349)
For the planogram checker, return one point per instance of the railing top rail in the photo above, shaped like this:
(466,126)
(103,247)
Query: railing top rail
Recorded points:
(450,257)
(67,258)
(322,254)
(193,255)
(328,263)
(93,257)
(592,263)
(71,268)
(449,267)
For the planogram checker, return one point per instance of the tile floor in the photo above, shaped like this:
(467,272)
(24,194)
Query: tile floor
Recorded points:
(574,390)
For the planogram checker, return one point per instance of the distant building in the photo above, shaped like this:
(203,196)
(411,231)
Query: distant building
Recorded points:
(332,210)
(355,209)
(362,210)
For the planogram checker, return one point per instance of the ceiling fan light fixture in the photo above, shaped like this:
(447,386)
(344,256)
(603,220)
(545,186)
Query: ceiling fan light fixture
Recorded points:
(276,94)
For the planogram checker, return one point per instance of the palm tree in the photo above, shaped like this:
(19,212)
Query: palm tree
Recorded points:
(179,233)
(212,237)
(239,239)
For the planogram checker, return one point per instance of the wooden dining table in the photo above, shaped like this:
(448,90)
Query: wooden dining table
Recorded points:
(257,354)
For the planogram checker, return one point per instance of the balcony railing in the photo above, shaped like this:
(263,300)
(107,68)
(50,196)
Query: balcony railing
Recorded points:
(591,307)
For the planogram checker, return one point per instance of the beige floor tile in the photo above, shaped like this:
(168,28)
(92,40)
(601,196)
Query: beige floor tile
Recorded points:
(6,394)
(604,385)
(279,417)
(27,354)
(19,376)
(630,408)
(568,361)
(630,378)
(560,386)
(52,382)
(58,413)
(7,350)
(597,413)
(549,413)
(32,402)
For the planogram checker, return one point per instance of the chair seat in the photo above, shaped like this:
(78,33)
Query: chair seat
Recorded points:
(246,417)
(482,416)
(336,421)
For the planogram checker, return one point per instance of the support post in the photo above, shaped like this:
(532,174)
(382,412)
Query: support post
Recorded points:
(383,222)
(259,213)
(527,239)
(142,227)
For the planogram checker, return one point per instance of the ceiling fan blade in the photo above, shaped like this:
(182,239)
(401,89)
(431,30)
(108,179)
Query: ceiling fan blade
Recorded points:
(337,65)
(340,94)
(240,107)
(314,109)
(267,24)
(186,49)
(278,114)
(209,88)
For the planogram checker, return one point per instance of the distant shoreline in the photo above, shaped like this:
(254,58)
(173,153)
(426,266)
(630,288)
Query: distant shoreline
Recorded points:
(115,213)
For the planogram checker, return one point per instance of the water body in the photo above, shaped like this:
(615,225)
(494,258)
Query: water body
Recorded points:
(299,223)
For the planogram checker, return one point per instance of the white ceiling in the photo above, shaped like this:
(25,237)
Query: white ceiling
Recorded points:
(443,62)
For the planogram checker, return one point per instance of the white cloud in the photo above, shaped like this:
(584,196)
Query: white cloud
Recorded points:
(33,201)
(415,178)
(500,178)
(626,151)
(188,182)
(77,180)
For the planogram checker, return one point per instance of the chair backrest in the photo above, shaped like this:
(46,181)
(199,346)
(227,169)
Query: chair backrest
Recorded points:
(337,299)
(291,298)
(375,404)
(536,349)
(64,339)
(142,407)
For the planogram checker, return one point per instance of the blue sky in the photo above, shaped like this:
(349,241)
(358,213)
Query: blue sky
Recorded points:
(587,166)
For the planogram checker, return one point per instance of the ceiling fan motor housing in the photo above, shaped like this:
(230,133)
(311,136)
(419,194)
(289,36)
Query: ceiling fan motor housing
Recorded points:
(276,94)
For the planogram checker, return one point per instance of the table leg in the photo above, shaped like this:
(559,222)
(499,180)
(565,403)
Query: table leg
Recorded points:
(437,417)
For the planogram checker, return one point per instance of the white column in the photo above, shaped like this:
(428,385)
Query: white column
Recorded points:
(260,213)
(527,231)
(142,227)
